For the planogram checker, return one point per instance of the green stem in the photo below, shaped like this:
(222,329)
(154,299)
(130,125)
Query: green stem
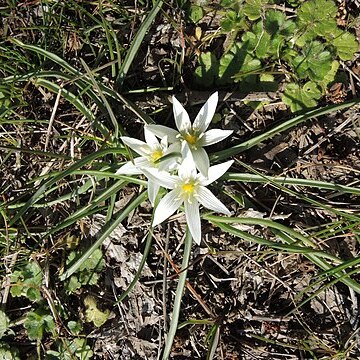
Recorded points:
(178,297)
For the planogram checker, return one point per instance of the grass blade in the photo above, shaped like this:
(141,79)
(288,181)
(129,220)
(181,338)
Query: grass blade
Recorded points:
(224,154)
(63,174)
(178,296)
(135,45)
(291,181)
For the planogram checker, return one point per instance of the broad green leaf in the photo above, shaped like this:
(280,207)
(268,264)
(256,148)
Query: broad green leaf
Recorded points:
(27,282)
(276,24)
(330,76)
(72,284)
(234,20)
(316,18)
(263,45)
(238,64)
(37,322)
(346,45)
(93,314)
(94,262)
(317,13)
(314,62)
(75,327)
(267,83)
(229,22)
(196,13)
(268,38)
(87,273)
(253,8)
(273,21)
(207,70)
(299,98)
(250,39)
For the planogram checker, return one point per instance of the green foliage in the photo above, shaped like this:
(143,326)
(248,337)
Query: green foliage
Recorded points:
(314,62)
(37,322)
(71,349)
(4,324)
(27,282)
(238,62)
(8,353)
(299,98)
(234,20)
(196,13)
(207,71)
(316,18)
(88,272)
(346,45)
(75,327)
(330,76)
(93,314)
(305,47)
(254,8)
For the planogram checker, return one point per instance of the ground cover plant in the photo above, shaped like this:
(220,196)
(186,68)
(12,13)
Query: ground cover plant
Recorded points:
(179,179)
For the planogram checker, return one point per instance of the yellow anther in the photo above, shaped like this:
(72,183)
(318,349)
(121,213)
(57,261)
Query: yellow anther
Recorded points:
(157,154)
(188,188)
(191,139)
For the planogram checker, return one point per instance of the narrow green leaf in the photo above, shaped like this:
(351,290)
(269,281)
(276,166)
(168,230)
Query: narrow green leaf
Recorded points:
(224,154)
(46,185)
(245,177)
(136,43)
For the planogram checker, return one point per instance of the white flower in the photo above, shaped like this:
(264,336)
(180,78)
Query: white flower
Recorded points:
(188,188)
(151,151)
(195,135)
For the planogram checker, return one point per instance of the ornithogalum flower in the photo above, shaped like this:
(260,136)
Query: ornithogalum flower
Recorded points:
(195,135)
(151,153)
(188,188)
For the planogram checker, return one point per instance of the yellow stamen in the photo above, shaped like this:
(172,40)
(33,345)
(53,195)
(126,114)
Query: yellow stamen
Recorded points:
(188,188)
(157,154)
(191,139)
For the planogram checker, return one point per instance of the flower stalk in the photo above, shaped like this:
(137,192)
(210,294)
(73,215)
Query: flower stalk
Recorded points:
(178,297)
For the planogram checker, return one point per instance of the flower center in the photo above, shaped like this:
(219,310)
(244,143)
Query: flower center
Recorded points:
(191,138)
(188,188)
(156,155)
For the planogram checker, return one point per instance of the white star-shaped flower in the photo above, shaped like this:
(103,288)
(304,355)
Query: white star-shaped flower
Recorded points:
(151,152)
(188,188)
(195,135)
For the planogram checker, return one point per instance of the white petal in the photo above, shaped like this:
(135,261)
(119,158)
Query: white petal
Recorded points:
(161,131)
(208,199)
(163,178)
(164,142)
(193,219)
(167,206)
(128,169)
(216,171)
(201,160)
(153,189)
(150,138)
(182,119)
(141,162)
(214,136)
(206,113)
(137,145)
(187,169)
